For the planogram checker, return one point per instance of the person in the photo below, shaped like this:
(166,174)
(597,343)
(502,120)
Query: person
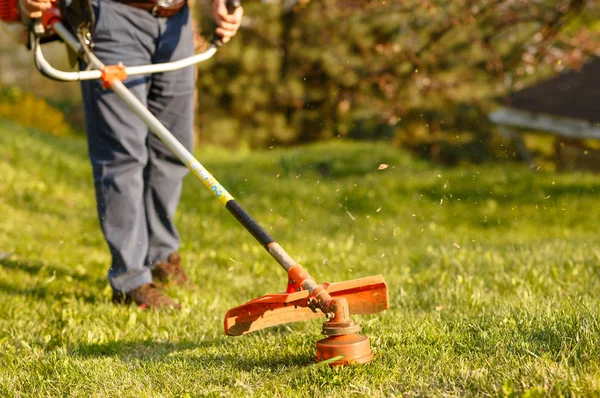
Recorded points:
(137,179)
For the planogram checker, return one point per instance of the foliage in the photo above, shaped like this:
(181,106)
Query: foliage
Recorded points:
(422,74)
(30,111)
(418,72)
(19,77)
(493,277)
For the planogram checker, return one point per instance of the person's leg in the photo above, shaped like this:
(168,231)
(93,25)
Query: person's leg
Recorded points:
(171,100)
(117,141)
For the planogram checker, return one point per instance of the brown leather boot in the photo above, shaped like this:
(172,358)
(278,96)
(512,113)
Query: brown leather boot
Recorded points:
(146,296)
(171,272)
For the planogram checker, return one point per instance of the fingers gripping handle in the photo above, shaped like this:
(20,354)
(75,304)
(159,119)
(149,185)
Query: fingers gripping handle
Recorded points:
(231,5)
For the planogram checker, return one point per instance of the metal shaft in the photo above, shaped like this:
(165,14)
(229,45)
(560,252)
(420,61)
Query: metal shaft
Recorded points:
(259,233)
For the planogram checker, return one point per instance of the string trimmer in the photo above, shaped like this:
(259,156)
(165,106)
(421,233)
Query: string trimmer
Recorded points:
(304,298)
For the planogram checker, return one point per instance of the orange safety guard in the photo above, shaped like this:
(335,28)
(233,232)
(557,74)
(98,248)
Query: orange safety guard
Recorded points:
(365,296)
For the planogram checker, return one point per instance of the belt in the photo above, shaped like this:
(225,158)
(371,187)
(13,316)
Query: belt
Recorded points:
(156,9)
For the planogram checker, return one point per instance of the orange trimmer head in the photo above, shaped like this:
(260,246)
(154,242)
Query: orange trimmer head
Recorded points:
(334,301)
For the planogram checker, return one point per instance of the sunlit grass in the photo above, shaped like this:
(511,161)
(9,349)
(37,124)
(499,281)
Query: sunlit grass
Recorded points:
(492,270)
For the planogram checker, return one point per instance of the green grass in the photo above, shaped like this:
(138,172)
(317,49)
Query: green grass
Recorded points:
(493,274)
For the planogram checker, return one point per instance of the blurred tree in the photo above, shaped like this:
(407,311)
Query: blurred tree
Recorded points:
(423,73)
(418,70)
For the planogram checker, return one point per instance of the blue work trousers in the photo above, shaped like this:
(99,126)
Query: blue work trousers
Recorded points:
(137,179)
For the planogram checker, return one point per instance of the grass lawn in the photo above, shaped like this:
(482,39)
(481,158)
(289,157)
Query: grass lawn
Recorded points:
(493,273)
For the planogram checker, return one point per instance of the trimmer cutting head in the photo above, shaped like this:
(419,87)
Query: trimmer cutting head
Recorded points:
(334,301)
(346,349)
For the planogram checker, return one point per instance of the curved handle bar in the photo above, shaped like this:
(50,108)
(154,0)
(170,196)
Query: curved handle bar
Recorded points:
(49,71)
(53,20)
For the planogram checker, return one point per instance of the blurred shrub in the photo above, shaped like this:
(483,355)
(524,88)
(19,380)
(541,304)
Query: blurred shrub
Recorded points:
(29,111)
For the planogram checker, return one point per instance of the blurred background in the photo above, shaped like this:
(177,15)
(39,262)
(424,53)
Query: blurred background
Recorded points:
(451,81)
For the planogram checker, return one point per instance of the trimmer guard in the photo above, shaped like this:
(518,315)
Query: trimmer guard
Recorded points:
(365,296)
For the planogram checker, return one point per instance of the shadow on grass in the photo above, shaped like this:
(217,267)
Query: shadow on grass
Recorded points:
(34,268)
(46,294)
(43,293)
(46,273)
(150,351)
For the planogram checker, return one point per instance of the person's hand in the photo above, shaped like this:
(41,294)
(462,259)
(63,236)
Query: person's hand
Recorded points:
(227,24)
(34,8)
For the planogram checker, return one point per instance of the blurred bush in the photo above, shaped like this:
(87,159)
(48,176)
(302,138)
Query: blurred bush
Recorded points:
(30,111)
(416,74)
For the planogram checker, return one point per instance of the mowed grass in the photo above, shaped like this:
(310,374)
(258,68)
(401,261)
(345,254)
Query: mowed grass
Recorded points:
(493,274)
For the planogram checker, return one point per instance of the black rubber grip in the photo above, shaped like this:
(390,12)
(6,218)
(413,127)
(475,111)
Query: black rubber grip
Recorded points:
(248,222)
(232,5)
